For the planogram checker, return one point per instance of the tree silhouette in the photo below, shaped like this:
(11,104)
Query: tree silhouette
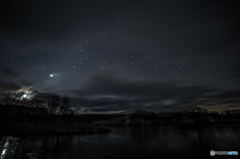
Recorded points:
(64,109)
(140,117)
(196,113)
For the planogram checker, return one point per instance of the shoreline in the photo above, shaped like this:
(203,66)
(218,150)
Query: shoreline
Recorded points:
(55,132)
(104,130)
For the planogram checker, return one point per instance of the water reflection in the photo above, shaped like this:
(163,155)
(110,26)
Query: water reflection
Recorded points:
(126,142)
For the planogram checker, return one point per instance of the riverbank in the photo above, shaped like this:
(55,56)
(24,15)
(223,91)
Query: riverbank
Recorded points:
(56,132)
(42,128)
(15,124)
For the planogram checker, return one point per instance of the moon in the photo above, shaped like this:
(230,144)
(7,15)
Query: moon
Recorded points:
(24,96)
(51,75)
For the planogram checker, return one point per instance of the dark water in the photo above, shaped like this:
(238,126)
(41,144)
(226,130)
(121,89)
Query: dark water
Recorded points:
(128,142)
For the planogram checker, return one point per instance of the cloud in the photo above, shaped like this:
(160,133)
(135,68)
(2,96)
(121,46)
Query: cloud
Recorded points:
(222,100)
(10,80)
(185,37)
(237,72)
(8,87)
(51,24)
(102,92)
(10,73)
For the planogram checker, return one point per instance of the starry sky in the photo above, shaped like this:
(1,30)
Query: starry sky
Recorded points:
(118,56)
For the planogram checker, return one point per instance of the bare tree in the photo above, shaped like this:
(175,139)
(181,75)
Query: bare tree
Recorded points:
(196,113)
(51,102)
(64,109)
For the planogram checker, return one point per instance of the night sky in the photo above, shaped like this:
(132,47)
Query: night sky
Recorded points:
(119,56)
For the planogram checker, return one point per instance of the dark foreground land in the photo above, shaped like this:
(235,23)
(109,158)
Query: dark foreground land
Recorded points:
(45,114)
(24,121)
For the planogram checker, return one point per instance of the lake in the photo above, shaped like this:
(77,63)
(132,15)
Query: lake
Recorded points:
(127,142)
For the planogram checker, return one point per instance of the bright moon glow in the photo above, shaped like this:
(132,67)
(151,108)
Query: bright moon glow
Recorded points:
(24,96)
(51,75)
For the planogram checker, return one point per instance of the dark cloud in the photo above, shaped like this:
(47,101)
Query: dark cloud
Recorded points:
(10,73)
(237,72)
(103,92)
(221,100)
(187,31)
(10,80)
(8,87)
(53,24)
